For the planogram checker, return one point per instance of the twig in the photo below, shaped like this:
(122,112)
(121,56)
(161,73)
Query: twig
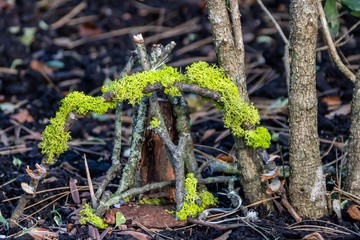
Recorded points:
(115,198)
(286,57)
(115,33)
(115,157)
(91,189)
(268,13)
(332,50)
(186,88)
(337,42)
(189,26)
(62,21)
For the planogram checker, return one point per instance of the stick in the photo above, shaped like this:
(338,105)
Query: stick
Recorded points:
(91,189)
(332,50)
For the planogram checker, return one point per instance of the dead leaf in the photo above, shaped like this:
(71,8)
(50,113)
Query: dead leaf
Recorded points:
(313,236)
(74,191)
(274,173)
(332,102)
(89,29)
(226,158)
(93,232)
(40,67)
(137,235)
(40,233)
(22,116)
(224,236)
(354,212)
(27,188)
(110,215)
(208,133)
(343,110)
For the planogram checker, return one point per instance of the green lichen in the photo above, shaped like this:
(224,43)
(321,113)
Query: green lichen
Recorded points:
(237,112)
(190,206)
(258,138)
(154,123)
(55,138)
(87,214)
(151,201)
(130,88)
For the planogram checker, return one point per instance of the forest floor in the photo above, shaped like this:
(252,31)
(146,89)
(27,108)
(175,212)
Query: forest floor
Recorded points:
(50,48)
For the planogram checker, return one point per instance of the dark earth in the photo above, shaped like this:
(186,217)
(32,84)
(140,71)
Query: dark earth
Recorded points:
(42,59)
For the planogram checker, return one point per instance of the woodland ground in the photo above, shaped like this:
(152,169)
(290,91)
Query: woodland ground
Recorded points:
(43,57)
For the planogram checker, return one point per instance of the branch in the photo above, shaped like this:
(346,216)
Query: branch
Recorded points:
(332,50)
(187,88)
(115,157)
(115,198)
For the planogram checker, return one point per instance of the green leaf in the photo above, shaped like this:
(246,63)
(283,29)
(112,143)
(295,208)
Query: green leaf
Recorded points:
(16,162)
(332,15)
(355,13)
(119,219)
(352,4)
(4,221)
(275,137)
(28,37)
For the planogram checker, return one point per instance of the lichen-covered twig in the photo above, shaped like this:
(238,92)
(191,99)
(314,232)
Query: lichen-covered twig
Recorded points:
(115,198)
(174,152)
(183,127)
(115,157)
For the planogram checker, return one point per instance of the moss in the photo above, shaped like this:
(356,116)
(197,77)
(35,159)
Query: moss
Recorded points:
(236,111)
(54,137)
(155,123)
(258,138)
(151,201)
(130,88)
(190,206)
(87,215)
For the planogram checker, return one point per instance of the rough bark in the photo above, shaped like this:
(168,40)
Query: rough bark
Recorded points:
(307,186)
(352,181)
(229,54)
(229,49)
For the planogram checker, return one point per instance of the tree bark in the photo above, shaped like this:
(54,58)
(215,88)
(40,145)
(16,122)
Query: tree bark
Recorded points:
(307,185)
(352,181)
(229,49)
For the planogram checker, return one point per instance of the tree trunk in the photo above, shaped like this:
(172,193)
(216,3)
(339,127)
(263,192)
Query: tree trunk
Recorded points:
(307,183)
(352,181)
(229,49)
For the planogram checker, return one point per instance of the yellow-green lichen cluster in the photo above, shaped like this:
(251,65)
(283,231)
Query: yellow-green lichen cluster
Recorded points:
(154,123)
(190,208)
(258,138)
(237,112)
(130,88)
(87,214)
(151,201)
(55,138)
